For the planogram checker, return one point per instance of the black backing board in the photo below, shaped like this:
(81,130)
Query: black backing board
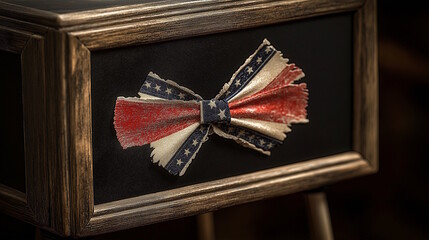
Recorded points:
(321,46)
(12,162)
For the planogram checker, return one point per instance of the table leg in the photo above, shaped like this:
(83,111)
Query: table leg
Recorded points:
(205,226)
(318,216)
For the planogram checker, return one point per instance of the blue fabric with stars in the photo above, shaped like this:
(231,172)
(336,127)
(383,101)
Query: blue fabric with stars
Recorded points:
(214,111)
(187,150)
(249,71)
(160,88)
(259,140)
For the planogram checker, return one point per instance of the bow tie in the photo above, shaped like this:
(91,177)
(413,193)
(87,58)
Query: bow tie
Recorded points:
(255,108)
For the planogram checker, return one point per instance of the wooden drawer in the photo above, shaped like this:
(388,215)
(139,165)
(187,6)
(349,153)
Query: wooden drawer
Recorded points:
(66,65)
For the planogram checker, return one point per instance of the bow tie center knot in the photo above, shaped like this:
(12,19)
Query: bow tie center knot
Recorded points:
(215,111)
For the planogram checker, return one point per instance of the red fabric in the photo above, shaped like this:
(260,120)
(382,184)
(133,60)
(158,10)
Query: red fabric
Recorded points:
(141,122)
(280,101)
(286,77)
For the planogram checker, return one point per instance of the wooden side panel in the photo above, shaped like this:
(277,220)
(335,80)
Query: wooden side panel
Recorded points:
(33,89)
(12,157)
(28,41)
(79,85)
(366,83)
(57,141)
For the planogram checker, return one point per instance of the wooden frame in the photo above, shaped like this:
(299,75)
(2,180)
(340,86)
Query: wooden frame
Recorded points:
(69,40)
(28,41)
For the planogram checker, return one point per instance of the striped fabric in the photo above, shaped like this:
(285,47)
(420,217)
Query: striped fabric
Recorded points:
(255,108)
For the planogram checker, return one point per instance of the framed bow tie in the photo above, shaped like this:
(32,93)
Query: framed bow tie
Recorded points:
(255,109)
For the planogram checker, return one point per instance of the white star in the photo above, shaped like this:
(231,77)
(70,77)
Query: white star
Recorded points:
(195,142)
(168,90)
(237,83)
(179,162)
(187,151)
(221,114)
(147,84)
(251,137)
(262,142)
(270,145)
(181,95)
(259,60)
(267,50)
(249,70)
(228,92)
(212,104)
(241,133)
(157,87)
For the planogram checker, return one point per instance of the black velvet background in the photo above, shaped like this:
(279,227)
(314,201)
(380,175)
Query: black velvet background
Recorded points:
(321,46)
(12,163)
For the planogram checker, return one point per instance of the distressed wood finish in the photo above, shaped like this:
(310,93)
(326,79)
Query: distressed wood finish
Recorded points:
(14,203)
(19,32)
(28,14)
(63,50)
(12,40)
(210,196)
(32,206)
(141,28)
(186,201)
(79,90)
(33,92)
(366,83)
(177,9)
(57,141)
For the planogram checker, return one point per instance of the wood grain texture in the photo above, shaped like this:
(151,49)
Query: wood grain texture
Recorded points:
(190,200)
(140,27)
(366,83)
(175,8)
(32,206)
(209,196)
(12,40)
(80,125)
(29,14)
(33,92)
(14,203)
(22,26)
(57,139)
(67,102)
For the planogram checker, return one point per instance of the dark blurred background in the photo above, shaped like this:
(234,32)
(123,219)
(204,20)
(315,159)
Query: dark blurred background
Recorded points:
(392,204)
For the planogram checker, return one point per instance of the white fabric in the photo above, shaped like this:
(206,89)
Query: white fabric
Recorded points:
(272,129)
(226,85)
(264,77)
(148,97)
(166,147)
